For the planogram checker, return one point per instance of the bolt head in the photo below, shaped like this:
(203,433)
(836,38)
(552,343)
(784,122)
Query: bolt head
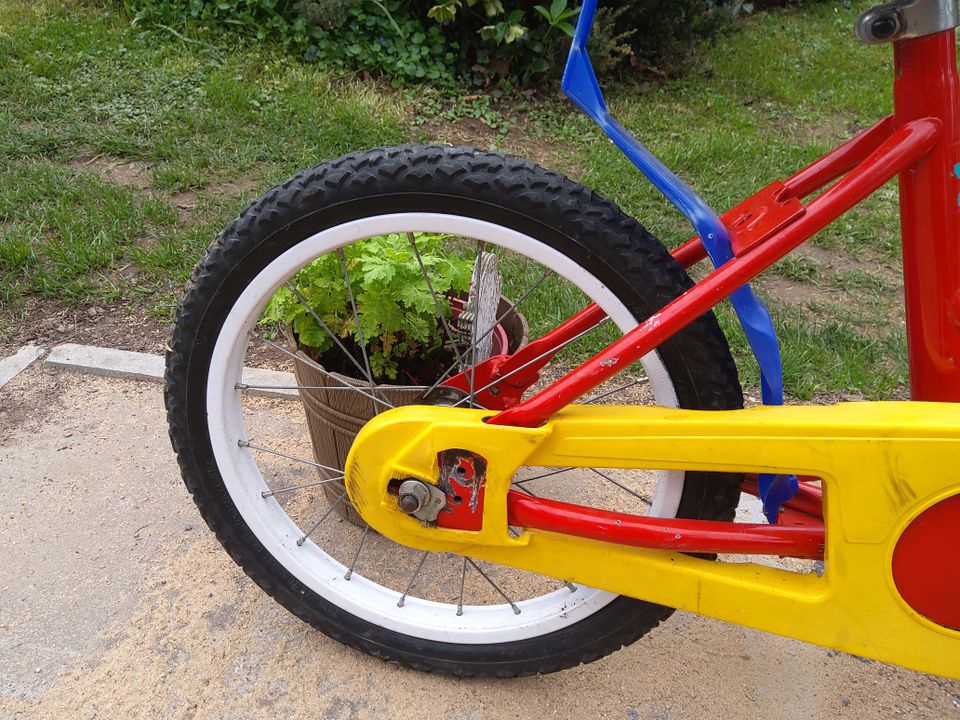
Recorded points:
(886,26)
(409,503)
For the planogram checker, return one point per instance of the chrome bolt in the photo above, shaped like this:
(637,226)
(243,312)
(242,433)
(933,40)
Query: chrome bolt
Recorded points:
(409,503)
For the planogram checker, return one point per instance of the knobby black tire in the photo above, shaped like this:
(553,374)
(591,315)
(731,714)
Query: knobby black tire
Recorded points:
(513,193)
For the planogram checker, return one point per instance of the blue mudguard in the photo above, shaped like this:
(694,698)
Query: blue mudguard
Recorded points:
(580,85)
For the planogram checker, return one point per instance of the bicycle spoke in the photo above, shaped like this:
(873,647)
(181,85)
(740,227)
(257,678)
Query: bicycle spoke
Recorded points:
(478,271)
(463,578)
(333,335)
(403,598)
(244,386)
(516,610)
(356,320)
(319,368)
(299,487)
(519,483)
(609,479)
(539,357)
(363,539)
(311,463)
(436,301)
(506,313)
(333,506)
(630,384)
(543,475)
(525,490)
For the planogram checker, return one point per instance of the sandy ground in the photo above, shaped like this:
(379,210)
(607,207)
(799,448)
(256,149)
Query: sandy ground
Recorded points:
(116,602)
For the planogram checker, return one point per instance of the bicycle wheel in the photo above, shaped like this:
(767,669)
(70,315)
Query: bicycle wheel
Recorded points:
(247,459)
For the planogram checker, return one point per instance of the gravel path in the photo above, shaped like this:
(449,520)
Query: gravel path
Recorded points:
(116,602)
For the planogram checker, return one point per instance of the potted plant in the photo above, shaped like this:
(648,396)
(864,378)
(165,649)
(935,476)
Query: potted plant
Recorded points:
(385,328)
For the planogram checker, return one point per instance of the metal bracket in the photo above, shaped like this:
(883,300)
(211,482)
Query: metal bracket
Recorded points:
(907,19)
(422,500)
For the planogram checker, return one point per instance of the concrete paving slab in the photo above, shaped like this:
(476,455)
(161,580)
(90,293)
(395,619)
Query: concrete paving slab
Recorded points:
(108,362)
(12,366)
(116,602)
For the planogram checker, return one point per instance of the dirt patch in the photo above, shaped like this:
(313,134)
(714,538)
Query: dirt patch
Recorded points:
(832,130)
(125,327)
(236,188)
(136,174)
(516,142)
(118,171)
(841,283)
(158,622)
(205,643)
(188,201)
(800,294)
(47,322)
(830,260)
(27,401)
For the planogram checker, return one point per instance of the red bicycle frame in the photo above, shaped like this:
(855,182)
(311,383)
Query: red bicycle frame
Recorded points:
(920,143)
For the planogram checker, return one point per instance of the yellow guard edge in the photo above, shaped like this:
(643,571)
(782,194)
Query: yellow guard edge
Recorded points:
(882,464)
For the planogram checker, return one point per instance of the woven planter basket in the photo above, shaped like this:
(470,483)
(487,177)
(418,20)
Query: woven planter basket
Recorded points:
(334,417)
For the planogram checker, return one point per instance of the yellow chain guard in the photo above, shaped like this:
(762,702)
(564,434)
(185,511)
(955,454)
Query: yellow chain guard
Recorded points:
(882,464)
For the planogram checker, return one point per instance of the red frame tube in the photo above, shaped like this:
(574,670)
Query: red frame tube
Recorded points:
(905,146)
(843,159)
(704,536)
(921,143)
(927,86)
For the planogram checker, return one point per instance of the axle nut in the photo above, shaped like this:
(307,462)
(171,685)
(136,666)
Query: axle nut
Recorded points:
(409,503)
(421,500)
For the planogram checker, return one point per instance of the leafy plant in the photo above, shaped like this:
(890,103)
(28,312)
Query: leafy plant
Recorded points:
(505,31)
(478,41)
(397,312)
(447,11)
(558,16)
(385,37)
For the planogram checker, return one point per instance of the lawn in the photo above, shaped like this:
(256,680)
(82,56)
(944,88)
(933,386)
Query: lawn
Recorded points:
(123,153)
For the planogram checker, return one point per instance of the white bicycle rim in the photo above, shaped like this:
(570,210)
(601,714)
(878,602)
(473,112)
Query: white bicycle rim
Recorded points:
(323,574)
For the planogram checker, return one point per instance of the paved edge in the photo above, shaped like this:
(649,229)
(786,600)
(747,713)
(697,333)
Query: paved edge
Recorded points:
(12,366)
(107,362)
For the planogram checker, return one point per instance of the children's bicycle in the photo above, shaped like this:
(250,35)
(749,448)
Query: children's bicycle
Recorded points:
(512,516)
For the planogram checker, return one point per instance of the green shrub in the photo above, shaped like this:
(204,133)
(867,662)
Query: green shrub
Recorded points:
(276,20)
(665,30)
(479,40)
(385,38)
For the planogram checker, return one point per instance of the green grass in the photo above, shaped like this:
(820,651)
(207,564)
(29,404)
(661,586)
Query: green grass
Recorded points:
(799,269)
(763,104)
(222,122)
(80,82)
(65,231)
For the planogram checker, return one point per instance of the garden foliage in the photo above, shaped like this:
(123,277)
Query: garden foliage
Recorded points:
(478,40)
(398,321)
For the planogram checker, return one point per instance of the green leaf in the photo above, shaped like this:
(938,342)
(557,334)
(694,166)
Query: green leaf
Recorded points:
(492,7)
(514,33)
(444,12)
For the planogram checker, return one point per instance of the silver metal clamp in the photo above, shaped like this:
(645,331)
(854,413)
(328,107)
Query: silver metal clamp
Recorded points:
(907,19)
